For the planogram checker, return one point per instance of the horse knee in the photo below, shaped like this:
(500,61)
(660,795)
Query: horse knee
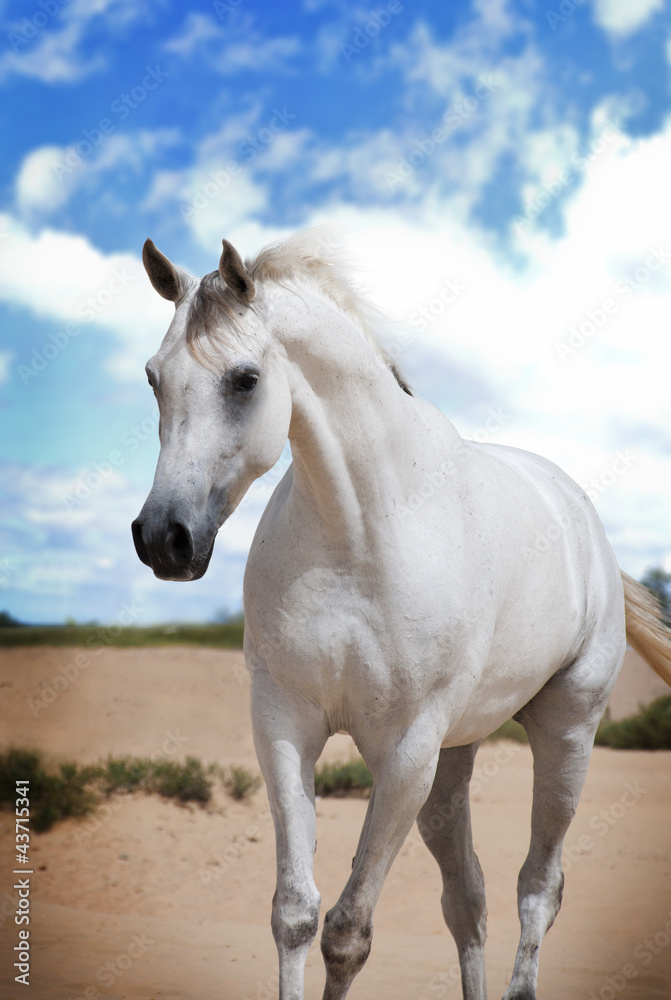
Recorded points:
(539,894)
(346,943)
(295,920)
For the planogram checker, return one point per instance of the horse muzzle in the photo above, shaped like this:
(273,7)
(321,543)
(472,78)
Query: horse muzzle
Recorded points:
(172,548)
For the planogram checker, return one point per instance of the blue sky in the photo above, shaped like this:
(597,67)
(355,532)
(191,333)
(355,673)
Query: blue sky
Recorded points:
(498,171)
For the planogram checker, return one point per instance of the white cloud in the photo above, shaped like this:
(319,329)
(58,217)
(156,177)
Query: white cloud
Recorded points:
(52,52)
(496,15)
(471,51)
(36,185)
(221,190)
(219,207)
(286,150)
(50,175)
(164,188)
(234,47)
(622,17)
(197,30)
(62,277)
(53,58)
(269,55)
(488,99)
(486,106)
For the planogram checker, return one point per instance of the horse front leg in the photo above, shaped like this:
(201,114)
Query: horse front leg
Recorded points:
(289,737)
(403,780)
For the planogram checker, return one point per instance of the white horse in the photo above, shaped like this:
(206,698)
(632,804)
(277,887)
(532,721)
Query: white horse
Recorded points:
(393,591)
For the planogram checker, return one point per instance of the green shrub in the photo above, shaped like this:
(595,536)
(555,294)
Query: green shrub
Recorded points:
(239,782)
(123,774)
(341,779)
(55,793)
(187,782)
(9,621)
(649,730)
(59,791)
(17,765)
(510,730)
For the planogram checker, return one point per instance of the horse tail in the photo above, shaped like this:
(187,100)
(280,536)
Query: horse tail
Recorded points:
(646,631)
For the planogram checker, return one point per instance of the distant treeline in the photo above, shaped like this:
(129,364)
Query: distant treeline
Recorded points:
(225,636)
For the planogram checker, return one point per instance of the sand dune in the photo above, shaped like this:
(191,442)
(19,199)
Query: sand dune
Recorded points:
(150,900)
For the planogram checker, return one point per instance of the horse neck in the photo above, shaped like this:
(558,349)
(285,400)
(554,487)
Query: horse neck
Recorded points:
(352,426)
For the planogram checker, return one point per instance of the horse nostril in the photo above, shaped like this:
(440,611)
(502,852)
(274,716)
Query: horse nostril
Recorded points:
(140,547)
(180,543)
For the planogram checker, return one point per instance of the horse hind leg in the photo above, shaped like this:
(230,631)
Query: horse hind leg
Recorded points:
(561,721)
(445,825)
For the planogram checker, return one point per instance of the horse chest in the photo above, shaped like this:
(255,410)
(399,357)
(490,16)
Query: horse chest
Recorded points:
(348,649)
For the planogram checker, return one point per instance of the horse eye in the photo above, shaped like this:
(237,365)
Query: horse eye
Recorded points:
(244,381)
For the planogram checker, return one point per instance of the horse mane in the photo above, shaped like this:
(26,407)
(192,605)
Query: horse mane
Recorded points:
(307,257)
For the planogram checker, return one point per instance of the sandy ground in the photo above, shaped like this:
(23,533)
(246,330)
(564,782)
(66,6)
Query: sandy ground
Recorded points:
(153,900)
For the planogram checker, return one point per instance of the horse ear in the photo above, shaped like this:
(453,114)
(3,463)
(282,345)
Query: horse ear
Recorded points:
(169,280)
(232,270)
